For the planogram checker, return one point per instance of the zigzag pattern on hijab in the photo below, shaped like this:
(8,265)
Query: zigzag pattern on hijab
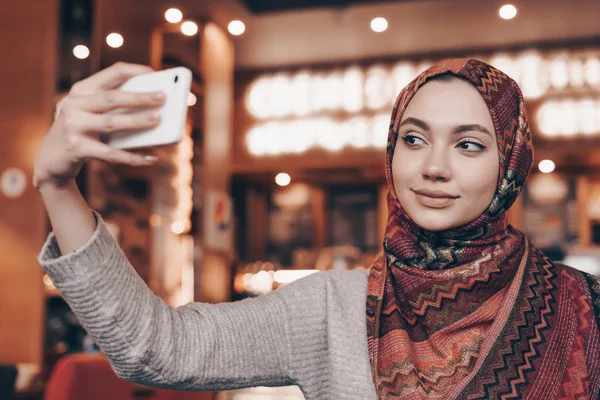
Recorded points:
(477,311)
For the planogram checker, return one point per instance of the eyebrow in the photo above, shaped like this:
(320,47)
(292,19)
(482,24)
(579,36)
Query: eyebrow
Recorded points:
(459,129)
(471,128)
(416,122)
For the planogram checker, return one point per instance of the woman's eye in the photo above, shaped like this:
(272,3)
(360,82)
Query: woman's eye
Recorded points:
(471,146)
(412,140)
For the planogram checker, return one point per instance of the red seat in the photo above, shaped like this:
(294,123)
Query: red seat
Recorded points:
(90,377)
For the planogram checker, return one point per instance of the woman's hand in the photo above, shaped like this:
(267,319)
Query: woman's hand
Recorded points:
(84,116)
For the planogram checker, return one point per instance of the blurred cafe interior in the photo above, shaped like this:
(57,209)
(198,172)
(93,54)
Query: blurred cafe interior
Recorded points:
(280,173)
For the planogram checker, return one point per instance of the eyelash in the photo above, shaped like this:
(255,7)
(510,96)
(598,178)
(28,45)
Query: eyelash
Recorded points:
(407,137)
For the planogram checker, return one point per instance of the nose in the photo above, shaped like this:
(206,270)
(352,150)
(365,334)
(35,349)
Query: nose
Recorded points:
(436,166)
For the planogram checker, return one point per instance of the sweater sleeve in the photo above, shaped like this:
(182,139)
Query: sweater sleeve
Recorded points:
(194,347)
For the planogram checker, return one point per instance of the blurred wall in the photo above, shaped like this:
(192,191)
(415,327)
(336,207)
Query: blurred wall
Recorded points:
(28,35)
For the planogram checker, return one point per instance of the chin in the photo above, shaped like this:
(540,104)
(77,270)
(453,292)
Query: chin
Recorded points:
(434,226)
(434,220)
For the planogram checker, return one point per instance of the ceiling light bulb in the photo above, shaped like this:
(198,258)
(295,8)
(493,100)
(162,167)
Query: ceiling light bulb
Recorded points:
(283,179)
(546,166)
(191,100)
(80,51)
(189,28)
(236,27)
(379,24)
(507,11)
(115,40)
(173,15)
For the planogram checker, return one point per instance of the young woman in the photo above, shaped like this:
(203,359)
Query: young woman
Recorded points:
(458,305)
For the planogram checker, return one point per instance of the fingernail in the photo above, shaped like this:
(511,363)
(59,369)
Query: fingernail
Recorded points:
(150,158)
(155,116)
(160,96)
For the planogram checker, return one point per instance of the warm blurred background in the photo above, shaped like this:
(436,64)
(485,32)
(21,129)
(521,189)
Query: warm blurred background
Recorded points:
(281,170)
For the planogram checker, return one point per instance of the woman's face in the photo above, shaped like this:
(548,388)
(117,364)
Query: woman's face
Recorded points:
(445,163)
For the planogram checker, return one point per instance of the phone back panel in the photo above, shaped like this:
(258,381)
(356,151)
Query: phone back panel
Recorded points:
(176,84)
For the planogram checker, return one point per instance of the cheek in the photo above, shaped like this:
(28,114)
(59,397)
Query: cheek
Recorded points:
(479,178)
(404,168)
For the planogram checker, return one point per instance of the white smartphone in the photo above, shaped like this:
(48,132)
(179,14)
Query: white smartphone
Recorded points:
(176,84)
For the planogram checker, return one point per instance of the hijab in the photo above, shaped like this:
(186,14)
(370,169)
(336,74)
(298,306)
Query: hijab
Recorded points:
(477,312)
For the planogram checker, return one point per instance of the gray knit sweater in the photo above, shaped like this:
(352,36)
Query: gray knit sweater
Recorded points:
(310,333)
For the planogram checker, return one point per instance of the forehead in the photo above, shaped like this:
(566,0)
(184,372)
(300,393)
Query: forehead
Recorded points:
(455,102)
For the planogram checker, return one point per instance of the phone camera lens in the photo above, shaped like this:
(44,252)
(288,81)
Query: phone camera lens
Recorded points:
(176,78)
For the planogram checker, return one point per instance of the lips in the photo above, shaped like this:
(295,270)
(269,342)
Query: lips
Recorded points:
(436,194)
(434,198)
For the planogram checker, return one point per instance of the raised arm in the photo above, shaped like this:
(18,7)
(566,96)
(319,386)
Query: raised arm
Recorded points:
(75,137)
(277,339)
(195,347)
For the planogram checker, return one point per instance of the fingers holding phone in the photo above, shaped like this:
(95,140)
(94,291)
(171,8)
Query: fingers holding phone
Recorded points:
(88,112)
(111,100)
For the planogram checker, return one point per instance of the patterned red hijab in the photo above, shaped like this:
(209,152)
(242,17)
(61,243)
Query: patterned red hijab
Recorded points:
(477,312)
